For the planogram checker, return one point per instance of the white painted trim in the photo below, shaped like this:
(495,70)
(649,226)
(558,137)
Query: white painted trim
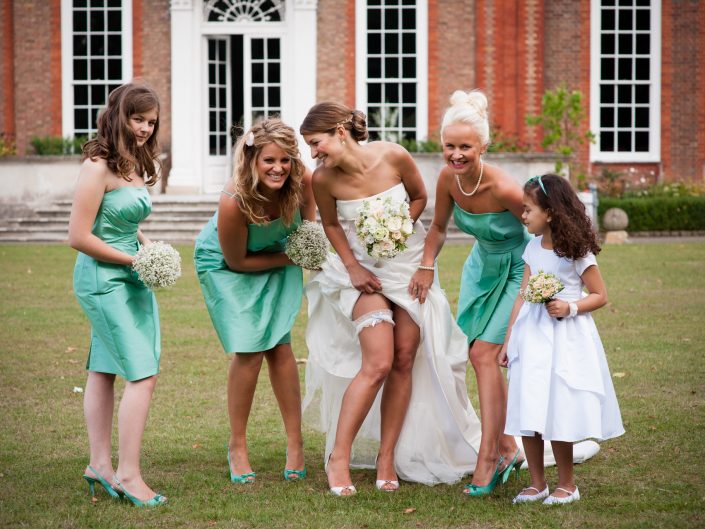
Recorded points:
(360,45)
(654,153)
(422,131)
(66,69)
(127,41)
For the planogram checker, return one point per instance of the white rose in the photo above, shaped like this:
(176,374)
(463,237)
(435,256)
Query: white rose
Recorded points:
(370,223)
(407,227)
(381,233)
(394,224)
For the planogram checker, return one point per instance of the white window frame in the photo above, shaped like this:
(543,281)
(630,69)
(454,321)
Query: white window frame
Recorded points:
(361,101)
(67,80)
(654,152)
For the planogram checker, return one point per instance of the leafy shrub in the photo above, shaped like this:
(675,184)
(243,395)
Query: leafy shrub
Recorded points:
(561,119)
(56,145)
(7,146)
(421,145)
(674,189)
(659,213)
(504,142)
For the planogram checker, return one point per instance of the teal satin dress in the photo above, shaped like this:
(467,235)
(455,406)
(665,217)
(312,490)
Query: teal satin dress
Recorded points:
(125,336)
(492,273)
(251,311)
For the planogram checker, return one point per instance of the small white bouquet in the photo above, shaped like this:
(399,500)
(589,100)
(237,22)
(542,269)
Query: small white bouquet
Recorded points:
(307,247)
(158,265)
(542,288)
(383,226)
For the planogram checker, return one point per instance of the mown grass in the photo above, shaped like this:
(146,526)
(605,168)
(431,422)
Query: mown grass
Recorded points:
(651,477)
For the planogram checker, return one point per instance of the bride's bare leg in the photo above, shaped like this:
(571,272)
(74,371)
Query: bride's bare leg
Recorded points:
(397,391)
(377,346)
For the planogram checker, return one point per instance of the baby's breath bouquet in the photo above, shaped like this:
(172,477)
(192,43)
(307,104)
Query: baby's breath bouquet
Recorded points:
(542,288)
(307,246)
(157,265)
(383,226)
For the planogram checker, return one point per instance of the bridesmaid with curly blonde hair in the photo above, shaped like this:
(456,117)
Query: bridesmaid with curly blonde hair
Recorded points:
(252,289)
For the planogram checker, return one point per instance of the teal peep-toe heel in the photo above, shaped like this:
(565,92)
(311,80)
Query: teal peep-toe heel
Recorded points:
(101,480)
(294,475)
(476,491)
(154,501)
(514,465)
(247,479)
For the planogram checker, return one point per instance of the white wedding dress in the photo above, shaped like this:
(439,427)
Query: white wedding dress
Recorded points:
(441,435)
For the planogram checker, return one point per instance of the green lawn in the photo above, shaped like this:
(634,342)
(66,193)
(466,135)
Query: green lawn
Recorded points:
(651,477)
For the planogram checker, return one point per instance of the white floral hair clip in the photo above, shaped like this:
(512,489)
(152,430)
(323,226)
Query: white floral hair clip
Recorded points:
(250,140)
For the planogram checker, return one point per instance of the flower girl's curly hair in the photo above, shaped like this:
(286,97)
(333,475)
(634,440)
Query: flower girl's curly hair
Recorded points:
(116,143)
(571,229)
(247,152)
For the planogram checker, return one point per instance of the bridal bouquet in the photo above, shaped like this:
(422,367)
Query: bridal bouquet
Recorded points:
(307,247)
(383,226)
(542,288)
(157,265)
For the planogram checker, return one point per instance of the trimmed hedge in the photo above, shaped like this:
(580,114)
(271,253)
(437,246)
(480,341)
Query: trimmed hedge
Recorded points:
(659,213)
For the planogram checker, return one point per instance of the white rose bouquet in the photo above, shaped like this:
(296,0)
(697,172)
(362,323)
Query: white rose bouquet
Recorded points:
(542,288)
(158,265)
(307,247)
(383,226)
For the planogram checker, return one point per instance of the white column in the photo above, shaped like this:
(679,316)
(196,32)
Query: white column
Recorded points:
(186,169)
(301,67)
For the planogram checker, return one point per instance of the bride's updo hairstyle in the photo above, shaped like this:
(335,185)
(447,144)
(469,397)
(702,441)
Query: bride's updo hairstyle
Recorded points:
(328,115)
(469,108)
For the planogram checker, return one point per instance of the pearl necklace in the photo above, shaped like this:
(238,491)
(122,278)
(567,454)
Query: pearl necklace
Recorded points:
(479,179)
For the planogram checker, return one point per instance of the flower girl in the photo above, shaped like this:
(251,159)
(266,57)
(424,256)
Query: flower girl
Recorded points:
(559,382)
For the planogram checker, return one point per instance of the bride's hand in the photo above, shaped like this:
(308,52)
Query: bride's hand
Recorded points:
(364,280)
(420,283)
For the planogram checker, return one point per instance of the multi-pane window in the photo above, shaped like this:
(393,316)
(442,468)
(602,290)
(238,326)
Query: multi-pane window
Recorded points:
(218,128)
(265,67)
(244,10)
(96,58)
(392,69)
(626,88)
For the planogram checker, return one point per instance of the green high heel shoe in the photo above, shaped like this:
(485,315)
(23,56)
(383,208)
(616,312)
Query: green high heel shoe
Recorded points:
(294,475)
(99,479)
(476,491)
(154,501)
(247,479)
(514,465)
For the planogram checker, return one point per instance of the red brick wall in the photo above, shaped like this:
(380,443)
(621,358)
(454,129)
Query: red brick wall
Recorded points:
(567,55)
(37,71)
(451,55)
(152,56)
(509,65)
(683,103)
(7,62)
(335,55)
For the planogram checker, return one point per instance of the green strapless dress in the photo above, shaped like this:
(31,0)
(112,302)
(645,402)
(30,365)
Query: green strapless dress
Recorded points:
(251,311)
(125,337)
(492,273)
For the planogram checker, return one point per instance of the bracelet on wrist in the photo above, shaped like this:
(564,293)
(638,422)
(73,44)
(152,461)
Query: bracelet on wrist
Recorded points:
(573,310)
(430,268)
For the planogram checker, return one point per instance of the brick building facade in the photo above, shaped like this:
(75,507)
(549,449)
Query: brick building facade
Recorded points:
(513,50)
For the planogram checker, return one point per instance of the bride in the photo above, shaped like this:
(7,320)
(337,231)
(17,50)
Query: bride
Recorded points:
(366,331)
